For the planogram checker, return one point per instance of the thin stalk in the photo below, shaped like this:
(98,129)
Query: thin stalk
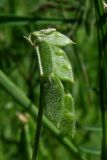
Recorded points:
(29,19)
(25,148)
(92,151)
(27,141)
(39,122)
(41,107)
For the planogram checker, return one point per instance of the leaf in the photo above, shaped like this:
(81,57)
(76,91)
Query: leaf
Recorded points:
(45,58)
(61,65)
(53,37)
(53,99)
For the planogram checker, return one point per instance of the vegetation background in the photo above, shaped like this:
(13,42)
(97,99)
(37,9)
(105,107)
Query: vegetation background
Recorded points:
(77,20)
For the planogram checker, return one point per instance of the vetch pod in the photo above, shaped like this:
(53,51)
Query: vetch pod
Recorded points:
(45,58)
(67,123)
(53,99)
(61,65)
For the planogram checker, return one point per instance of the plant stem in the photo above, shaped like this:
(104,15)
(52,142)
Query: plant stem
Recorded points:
(39,122)
(41,107)
(25,149)
(29,19)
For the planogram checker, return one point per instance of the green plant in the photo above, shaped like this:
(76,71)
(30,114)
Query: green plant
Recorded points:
(55,72)
(19,79)
(27,105)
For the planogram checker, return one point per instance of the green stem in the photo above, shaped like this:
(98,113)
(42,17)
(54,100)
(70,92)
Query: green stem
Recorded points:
(27,142)
(90,151)
(41,107)
(25,149)
(39,122)
(29,19)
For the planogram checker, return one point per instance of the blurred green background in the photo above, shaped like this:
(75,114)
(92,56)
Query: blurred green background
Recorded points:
(76,19)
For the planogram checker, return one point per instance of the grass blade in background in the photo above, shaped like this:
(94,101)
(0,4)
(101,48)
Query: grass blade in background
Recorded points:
(102,33)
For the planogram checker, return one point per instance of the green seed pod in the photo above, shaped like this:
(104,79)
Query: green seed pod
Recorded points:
(61,65)
(53,99)
(45,58)
(67,123)
(55,68)
(68,103)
